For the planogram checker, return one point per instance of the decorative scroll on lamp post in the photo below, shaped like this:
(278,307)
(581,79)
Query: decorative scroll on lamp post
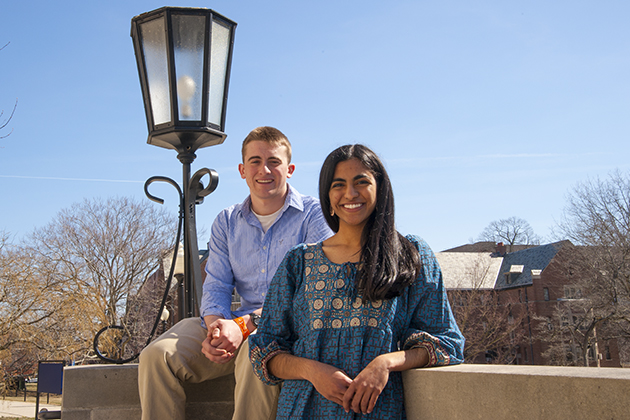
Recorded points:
(184,57)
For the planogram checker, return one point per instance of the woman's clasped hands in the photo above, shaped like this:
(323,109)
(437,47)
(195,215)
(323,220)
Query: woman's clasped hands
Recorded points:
(359,394)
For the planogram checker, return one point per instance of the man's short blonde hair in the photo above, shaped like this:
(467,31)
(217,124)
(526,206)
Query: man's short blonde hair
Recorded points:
(269,135)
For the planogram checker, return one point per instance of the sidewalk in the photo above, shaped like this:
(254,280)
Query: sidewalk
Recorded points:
(22,409)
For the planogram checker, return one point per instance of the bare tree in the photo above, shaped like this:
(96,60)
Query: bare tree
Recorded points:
(584,316)
(108,249)
(493,325)
(75,276)
(597,219)
(492,328)
(5,122)
(35,309)
(511,231)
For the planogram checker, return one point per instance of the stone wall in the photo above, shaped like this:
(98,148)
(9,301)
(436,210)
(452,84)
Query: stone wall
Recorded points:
(105,392)
(453,392)
(517,392)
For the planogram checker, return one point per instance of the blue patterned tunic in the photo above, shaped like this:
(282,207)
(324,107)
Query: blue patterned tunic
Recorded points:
(313,311)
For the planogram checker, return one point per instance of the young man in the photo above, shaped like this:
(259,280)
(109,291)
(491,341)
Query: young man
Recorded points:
(247,243)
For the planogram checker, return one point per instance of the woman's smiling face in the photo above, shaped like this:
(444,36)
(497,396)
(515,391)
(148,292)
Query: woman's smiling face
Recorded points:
(352,193)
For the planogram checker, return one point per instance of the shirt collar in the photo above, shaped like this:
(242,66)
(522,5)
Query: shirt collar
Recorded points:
(294,199)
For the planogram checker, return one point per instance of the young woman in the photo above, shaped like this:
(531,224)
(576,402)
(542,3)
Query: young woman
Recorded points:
(345,316)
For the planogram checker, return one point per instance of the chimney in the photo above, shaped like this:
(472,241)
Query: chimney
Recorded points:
(501,249)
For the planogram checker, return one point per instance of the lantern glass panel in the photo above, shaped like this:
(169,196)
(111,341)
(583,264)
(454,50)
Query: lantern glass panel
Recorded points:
(218,71)
(154,52)
(188,43)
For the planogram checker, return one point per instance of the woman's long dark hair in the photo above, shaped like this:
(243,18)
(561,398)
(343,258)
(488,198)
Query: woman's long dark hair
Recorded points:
(389,262)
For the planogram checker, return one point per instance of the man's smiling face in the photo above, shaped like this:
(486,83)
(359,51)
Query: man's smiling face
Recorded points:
(266,168)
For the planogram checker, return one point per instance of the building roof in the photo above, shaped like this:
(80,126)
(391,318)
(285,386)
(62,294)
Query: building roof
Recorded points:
(519,268)
(476,247)
(469,270)
(486,247)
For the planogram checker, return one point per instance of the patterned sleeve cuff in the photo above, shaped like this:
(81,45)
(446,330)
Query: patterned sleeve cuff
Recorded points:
(260,358)
(437,355)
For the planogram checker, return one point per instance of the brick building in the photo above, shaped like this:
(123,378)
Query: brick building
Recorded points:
(528,284)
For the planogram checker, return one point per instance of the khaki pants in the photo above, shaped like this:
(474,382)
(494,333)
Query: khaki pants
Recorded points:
(176,357)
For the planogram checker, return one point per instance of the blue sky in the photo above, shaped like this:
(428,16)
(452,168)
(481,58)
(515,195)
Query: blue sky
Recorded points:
(481,110)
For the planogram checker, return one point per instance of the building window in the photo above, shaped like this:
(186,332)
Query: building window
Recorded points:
(546,293)
(607,352)
(572,292)
(512,275)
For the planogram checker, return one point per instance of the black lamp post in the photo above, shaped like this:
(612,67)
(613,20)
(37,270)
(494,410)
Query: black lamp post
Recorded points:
(184,57)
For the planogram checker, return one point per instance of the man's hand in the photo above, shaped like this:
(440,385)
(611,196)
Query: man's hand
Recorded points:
(364,391)
(224,338)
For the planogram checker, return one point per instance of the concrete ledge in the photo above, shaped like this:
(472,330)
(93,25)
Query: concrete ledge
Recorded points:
(99,392)
(517,392)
